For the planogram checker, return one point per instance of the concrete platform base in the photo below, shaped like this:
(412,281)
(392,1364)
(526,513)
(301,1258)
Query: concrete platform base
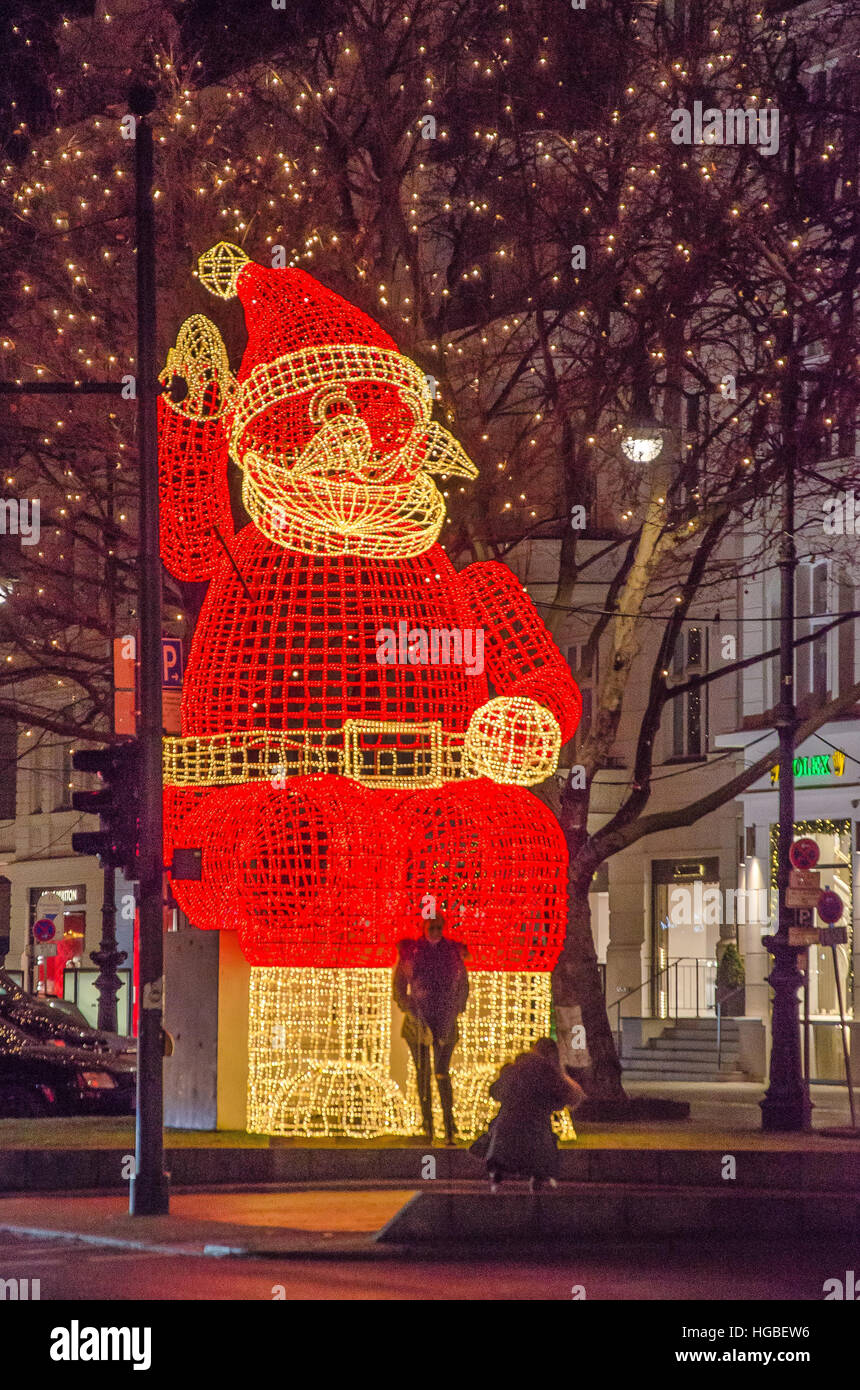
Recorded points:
(822,1165)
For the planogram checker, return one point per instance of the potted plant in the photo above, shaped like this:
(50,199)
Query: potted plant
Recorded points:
(731,977)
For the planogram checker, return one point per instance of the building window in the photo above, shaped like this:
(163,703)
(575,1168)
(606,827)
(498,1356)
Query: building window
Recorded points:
(811,666)
(690,711)
(821,663)
(8,768)
(34,766)
(846,636)
(64,793)
(584,668)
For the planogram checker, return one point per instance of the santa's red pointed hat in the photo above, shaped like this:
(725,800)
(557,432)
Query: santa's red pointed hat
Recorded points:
(310,353)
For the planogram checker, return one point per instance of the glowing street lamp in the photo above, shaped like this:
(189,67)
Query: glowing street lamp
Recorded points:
(642,441)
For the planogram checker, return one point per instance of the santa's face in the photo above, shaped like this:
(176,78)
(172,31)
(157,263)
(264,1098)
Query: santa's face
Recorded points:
(357,430)
(342,466)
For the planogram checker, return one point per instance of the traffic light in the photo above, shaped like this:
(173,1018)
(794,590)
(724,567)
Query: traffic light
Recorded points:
(117,804)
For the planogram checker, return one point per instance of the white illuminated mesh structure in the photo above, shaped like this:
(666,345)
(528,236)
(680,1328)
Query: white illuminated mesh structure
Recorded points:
(320,1047)
(506,1013)
(319,1054)
(508,734)
(219,268)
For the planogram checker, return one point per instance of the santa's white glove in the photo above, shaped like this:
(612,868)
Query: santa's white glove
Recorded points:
(513,740)
(197,378)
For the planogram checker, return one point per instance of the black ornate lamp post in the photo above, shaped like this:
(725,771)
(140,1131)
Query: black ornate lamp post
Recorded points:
(108,958)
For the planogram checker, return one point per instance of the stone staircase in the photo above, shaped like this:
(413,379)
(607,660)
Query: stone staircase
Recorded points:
(687,1051)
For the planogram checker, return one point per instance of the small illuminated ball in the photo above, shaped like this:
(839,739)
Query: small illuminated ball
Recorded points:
(219,268)
(513,740)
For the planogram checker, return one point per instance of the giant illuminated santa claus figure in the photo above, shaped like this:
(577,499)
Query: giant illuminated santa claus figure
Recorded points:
(360,722)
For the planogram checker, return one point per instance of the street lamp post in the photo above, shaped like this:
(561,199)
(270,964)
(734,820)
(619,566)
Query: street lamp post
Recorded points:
(786,1105)
(149,1188)
(109,957)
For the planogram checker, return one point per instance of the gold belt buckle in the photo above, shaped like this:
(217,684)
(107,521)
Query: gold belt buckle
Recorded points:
(394,764)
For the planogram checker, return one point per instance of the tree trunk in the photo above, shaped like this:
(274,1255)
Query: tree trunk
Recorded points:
(576,981)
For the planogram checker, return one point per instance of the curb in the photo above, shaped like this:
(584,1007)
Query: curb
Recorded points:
(363,1249)
(831,1164)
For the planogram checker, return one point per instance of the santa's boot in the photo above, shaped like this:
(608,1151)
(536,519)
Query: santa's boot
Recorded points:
(427,1115)
(446,1096)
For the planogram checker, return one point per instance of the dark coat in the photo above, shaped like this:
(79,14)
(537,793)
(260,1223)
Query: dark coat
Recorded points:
(522,1141)
(431,986)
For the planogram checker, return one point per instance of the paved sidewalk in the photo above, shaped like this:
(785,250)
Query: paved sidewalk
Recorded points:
(677,1194)
(322,1223)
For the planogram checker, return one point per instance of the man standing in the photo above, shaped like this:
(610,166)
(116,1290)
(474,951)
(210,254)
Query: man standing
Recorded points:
(431,987)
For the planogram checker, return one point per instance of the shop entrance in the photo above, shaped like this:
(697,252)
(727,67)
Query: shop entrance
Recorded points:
(685,927)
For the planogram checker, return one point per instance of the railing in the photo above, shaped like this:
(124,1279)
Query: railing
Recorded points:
(720,1002)
(695,982)
(699,986)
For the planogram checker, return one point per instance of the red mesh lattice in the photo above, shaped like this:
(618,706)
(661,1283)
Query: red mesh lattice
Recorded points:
(346,689)
(330,873)
(216,821)
(298,650)
(288,313)
(522,658)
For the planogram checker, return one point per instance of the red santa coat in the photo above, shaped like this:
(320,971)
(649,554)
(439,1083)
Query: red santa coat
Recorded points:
(311,859)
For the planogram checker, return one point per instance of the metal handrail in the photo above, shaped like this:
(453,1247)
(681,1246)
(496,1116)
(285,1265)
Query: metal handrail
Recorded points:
(673,965)
(719,1006)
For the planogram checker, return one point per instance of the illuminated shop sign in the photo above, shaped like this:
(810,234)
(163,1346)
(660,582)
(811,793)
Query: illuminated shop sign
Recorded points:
(815,765)
(70,896)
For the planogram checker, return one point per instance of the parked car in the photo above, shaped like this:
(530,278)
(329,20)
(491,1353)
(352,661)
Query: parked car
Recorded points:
(48,1076)
(117,1042)
(45,1016)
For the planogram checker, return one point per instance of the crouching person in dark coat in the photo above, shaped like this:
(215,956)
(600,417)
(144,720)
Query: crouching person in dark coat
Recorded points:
(529,1090)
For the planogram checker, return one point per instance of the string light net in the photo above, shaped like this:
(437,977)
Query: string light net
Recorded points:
(327,872)
(284,692)
(319,1055)
(320,1044)
(506,1013)
(360,723)
(508,734)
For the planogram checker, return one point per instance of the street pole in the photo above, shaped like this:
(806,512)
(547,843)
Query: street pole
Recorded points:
(149,1188)
(108,957)
(786,1105)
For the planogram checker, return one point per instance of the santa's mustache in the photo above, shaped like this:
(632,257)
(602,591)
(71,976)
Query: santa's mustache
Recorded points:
(342,448)
(343,444)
